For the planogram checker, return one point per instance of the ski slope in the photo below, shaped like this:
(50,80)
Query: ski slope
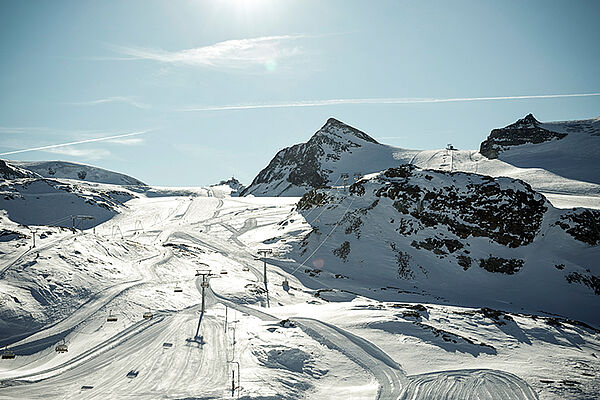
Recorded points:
(345,347)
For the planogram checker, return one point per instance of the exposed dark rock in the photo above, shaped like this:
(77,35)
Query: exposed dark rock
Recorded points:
(313,198)
(403,262)
(8,171)
(525,130)
(591,281)
(583,224)
(507,215)
(437,245)
(343,251)
(464,261)
(501,265)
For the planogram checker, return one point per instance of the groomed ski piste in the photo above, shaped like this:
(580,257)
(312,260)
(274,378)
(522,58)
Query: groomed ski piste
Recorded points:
(90,291)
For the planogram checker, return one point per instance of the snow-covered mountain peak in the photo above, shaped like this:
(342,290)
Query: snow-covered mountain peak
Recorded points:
(334,128)
(525,130)
(528,121)
(336,154)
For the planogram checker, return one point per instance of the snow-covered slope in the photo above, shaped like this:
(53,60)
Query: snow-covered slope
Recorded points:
(570,149)
(82,172)
(334,150)
(334,345)
(452,237)
(41,201)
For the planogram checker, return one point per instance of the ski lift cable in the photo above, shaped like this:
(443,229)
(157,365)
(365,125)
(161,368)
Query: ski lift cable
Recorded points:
(59,220)
(325,239)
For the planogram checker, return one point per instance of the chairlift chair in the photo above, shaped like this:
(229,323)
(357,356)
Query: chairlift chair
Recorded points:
(178,289)
(111,317)
(148,315)
(61,348)
(7,354)
(223,272)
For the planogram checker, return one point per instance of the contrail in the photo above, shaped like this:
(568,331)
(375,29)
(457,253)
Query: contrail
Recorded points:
(52,146)
(329,102)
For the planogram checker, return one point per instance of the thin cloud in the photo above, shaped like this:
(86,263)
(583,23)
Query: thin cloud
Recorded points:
(127,141)
(54,146)
(90,154)
(113,99)
(236,54)
(331,102)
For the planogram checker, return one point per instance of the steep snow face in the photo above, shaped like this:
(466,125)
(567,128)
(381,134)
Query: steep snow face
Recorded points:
(569,149)
(452,236)
(82,172)
(334,150)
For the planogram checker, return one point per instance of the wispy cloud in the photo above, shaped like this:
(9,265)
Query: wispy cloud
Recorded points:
(55,146)
(89,154)
(113,99)
(265,51)
(331,102)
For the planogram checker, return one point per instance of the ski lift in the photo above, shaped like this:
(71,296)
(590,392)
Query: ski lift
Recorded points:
(178,289)
(7,354)
(245,269)
(62,347)
(111,317)
(148,315)
(223,272)
(198,272)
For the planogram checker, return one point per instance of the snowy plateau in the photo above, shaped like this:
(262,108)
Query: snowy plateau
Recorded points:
(390,274)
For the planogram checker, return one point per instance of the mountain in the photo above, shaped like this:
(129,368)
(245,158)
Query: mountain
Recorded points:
(8,171)
(563,167)
(566,148)
(454,237)
(334,150)
(232,186)
(82,172)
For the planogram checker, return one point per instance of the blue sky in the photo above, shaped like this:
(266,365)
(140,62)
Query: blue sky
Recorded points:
(72,71)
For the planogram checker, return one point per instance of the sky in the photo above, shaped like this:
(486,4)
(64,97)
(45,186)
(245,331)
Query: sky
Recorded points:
(186,93)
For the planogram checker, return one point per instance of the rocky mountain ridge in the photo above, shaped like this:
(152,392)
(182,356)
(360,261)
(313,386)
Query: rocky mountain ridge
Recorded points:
(436,233)
(334,150)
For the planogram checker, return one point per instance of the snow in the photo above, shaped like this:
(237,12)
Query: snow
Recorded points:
(76,171)
(354,347)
